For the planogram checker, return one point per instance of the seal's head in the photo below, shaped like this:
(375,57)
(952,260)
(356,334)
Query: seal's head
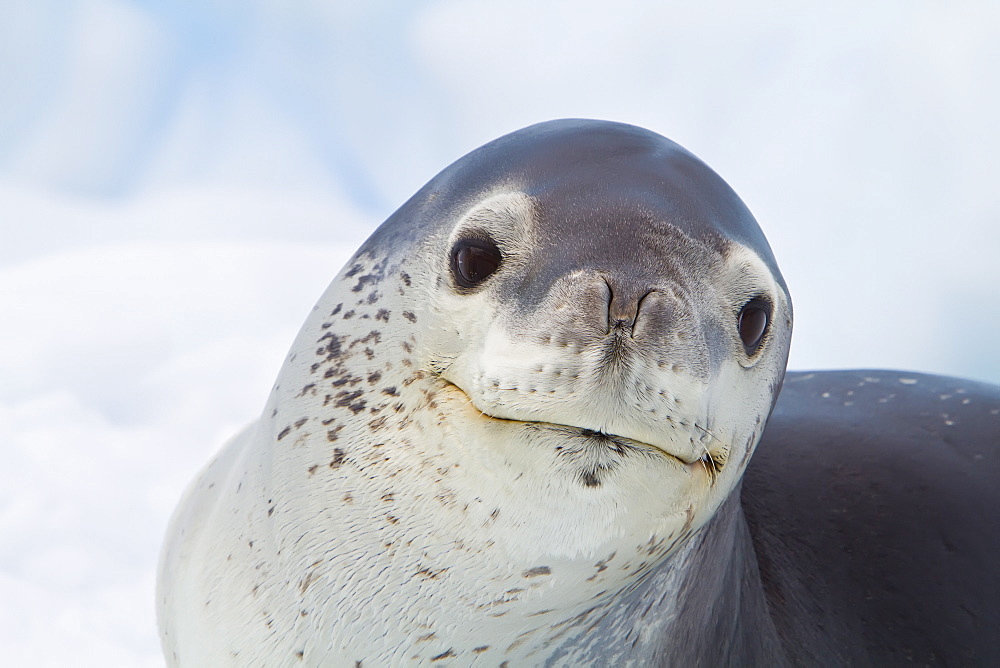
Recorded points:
(594,289)
(583,300)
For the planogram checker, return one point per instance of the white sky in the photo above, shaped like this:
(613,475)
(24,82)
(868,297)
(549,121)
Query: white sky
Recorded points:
(179,180)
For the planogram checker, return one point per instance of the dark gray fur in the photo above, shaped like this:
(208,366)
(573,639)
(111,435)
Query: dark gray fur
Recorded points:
(875,516)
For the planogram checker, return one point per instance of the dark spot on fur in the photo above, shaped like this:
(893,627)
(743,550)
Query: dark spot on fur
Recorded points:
(305,389)
(345,398)
(409,316)
(443,655)
(430,574)
(338,458)
(391,391)
(406,278)
(270,511)
(312,469)
(374,377)
(348,498)
(406,346)
(349,315)
(383,315)
(377,423)
(536,571)
(300,422)
(333,347)
(300,654)
(391,520)
(590,479)
(480,649)
(445,498)
(336,310)
(372,297)
(284,432)
(331,435)
(353,270)
(426,637)
(363,281)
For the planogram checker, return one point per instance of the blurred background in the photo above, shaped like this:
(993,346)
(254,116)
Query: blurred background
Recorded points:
(179,180)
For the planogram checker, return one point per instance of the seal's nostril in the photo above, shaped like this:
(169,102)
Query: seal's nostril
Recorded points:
(624,305)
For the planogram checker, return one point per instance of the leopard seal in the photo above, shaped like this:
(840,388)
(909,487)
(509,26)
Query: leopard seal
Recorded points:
(514,430)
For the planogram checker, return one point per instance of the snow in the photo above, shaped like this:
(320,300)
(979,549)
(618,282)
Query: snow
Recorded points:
(125,366)
(180,180)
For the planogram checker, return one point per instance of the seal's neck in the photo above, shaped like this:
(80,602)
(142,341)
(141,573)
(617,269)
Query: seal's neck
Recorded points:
(705,606)
(724,614)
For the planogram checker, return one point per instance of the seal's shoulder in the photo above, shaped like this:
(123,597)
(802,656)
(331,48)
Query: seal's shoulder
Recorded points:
(877,493)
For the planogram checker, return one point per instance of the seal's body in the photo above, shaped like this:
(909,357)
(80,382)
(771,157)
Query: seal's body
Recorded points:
(513,429)
(872,502)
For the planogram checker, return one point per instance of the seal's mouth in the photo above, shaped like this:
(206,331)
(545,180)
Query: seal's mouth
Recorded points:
(712,461)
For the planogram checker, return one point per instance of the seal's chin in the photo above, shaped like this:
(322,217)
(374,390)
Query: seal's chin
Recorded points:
(711,461)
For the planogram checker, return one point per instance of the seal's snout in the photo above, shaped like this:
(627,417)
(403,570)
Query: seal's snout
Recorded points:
(607,316)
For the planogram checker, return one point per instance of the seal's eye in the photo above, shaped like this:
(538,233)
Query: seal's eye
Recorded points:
(752,323)
(473,260)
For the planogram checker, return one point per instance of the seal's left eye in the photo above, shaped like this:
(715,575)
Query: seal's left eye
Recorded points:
(752,323)
(473,260)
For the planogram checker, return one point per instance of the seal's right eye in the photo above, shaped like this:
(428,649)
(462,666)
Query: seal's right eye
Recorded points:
(473,260)
(752,323)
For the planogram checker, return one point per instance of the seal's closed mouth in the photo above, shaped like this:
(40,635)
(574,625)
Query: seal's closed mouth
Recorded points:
(711,462)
